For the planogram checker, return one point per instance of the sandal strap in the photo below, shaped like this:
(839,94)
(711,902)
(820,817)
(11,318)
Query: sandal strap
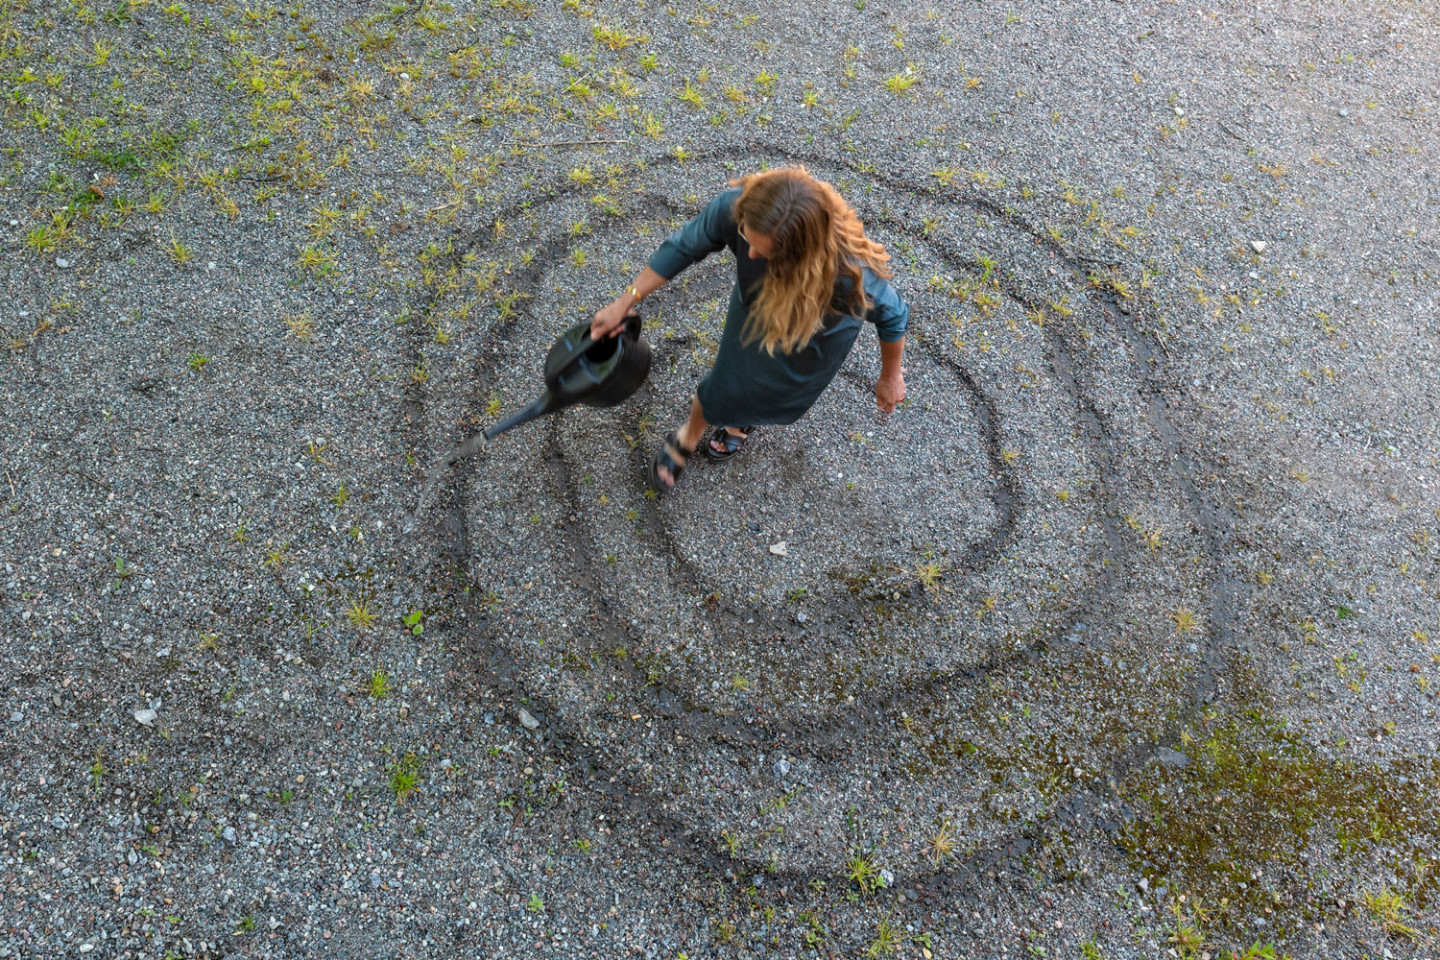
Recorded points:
(669,449)
(672,448)
(665,457)
(731,442)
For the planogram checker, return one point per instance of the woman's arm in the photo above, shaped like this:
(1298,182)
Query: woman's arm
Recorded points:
(890,388)
(710,230)
(610,318)
(891,317)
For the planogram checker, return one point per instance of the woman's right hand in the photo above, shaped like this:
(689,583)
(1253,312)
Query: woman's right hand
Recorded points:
(609,319)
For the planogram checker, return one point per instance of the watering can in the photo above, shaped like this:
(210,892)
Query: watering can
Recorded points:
(579,369)
(598,373)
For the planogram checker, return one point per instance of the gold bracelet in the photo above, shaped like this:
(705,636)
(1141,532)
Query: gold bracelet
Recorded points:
(634,293)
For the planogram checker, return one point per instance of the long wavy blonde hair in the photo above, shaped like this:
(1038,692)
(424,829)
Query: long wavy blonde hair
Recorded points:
(817,238)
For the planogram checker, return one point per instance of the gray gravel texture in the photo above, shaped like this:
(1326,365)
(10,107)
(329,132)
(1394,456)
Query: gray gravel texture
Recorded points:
(1114,641)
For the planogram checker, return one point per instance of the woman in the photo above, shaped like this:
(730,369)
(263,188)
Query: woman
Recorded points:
(807,275)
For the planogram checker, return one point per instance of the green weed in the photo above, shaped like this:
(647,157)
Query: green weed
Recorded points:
(360,616)
(902,82)
(404,776)
(378,688)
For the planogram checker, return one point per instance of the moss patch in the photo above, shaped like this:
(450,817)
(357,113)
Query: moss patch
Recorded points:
(1259,825)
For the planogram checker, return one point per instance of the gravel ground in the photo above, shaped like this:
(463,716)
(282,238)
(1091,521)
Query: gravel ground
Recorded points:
(1115,641)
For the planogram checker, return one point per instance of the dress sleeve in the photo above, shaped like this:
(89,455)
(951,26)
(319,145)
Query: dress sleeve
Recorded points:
(888,312)
(712,229)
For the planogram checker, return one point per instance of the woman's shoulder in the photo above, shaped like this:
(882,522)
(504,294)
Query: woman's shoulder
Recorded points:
(721,209)
(725,201)
(868,277)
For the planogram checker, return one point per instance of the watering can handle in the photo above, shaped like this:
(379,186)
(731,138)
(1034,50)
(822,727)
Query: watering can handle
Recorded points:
(632,326)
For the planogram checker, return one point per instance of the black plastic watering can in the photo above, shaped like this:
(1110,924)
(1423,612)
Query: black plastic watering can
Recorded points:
(578,369)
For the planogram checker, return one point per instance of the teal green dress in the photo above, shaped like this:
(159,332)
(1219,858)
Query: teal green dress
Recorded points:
(748,386)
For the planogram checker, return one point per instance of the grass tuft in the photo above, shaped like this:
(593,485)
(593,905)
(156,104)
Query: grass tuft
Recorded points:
(901,82)
(942,844)
(379,686)
(360,615)
(1389,908)
(405,776)
(861,871)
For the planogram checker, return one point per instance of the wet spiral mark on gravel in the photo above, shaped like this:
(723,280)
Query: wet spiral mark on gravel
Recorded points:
(696,720)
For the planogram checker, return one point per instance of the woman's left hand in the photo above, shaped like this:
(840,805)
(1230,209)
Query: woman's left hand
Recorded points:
(890,391)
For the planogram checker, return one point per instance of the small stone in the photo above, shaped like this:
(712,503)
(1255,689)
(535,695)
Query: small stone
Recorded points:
(374,880)
(1143,885)
(801,617)
(1344,112)
(1172,758)
(781,549)
(86,947)
(527,721)
(16,717)
(58,823)
(228,835)
(1257,245)
(782,768)
(62,263)
(886,877)
(1179,111)
(145,717)
(489,719)
(404,76)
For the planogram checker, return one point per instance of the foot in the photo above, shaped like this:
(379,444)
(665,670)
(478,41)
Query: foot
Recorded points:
(669,461)
(722,443)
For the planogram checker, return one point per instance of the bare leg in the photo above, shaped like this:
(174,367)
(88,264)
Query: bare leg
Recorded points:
(688,435)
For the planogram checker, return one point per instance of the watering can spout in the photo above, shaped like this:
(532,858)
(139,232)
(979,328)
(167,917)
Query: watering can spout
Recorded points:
(547,402)
(579,369)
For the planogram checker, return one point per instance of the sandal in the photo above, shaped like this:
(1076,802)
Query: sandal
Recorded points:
(665,456)
(729,443)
